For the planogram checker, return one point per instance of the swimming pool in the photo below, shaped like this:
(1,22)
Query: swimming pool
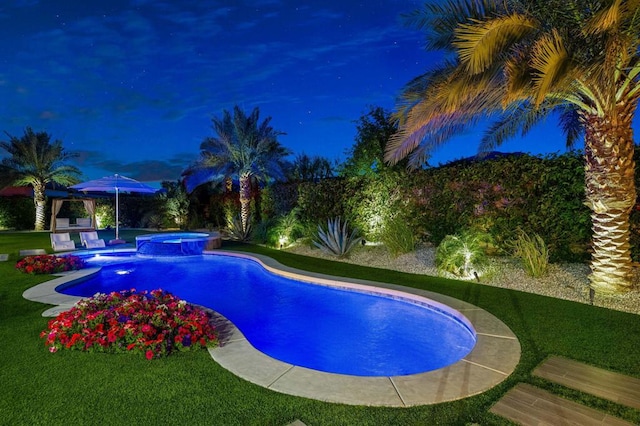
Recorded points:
(361,333)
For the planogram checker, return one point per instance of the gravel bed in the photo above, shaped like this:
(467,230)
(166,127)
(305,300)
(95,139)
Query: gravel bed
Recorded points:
(565,281)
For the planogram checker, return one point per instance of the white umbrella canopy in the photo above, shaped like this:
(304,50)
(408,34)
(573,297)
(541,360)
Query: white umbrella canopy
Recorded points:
(114,183)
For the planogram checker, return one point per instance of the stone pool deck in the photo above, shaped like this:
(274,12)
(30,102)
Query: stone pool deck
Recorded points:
(494,357)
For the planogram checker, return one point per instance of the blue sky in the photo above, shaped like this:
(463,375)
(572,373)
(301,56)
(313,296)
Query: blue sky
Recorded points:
(132,85)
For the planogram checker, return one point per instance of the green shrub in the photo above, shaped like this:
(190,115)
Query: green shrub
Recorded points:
(398,236)
(18,213)
(263,233)
(320,200)
(279,199)
(463,255)
(375,201)
(105,214)
(336,240)
(541,195)
(288,228)
(533,253)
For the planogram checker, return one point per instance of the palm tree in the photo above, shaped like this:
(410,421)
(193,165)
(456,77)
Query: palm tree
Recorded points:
(310,169)
(522,60)
(35,160)
(243,148)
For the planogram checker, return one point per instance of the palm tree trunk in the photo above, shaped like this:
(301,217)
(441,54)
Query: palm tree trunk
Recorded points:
(610,194)
(257,199)
(245,201)
(40,201)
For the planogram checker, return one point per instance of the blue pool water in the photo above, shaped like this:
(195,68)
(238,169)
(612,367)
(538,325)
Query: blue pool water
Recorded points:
(309,325)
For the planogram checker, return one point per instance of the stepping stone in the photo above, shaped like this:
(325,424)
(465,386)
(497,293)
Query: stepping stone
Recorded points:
(4,257)
(531,406)
(32,252)
(616,387)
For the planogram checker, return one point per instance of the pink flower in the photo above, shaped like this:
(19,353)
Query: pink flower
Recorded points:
(149,354)
(53,349)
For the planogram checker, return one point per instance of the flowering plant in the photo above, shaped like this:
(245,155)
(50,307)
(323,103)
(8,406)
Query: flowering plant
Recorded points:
(152,323)
(49,264)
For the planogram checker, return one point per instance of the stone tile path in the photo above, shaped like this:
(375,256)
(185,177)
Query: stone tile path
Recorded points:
(596,381)
(32,252)
(529,405)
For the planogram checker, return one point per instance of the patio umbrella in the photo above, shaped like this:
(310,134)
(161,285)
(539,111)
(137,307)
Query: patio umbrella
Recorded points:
(117,184)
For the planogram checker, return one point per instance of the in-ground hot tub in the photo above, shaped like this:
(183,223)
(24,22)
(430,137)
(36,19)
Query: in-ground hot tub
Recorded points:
(177,243)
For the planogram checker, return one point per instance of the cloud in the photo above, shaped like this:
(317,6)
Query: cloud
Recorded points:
(142,78)
(48,115)
(94,165)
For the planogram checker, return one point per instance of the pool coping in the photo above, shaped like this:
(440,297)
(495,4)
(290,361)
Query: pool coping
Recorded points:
(494,357)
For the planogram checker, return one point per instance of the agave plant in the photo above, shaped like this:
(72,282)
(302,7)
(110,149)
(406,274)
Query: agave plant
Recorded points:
(336,240)
(237,231)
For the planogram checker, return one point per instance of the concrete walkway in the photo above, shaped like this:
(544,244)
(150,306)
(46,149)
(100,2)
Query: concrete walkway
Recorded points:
(494,357)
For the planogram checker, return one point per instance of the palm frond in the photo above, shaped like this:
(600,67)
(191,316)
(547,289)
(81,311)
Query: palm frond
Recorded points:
(630,81)
(435,139)
(518,118)
(519,80)
(480,43)
(440,19)
(572,126)
(402,144)
(606,19)
(550,61)
(441,109)
(584,96)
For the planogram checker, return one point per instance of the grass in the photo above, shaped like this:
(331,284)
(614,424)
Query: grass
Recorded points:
(190,388)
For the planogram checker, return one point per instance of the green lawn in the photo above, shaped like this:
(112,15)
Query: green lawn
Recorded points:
(190,388)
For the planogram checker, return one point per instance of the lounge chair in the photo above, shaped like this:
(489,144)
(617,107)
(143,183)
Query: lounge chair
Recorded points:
(62,242)
(91,240)
(62,223)
(83,222)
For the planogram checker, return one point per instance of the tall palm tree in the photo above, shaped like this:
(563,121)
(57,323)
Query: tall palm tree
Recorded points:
(521,60)
(243,148)
(35,160)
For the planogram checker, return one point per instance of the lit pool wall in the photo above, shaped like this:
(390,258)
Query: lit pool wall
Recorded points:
(176,244)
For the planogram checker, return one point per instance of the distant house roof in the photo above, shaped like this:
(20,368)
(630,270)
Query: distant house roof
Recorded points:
(27,191)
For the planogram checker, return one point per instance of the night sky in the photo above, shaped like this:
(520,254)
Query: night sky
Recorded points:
(132,85)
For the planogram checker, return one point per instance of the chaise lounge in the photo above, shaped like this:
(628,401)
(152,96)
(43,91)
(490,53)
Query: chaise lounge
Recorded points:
(62,242)
(91,240)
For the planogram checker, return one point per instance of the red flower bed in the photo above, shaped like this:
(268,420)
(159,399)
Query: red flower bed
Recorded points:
(49,264)
(154,324)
